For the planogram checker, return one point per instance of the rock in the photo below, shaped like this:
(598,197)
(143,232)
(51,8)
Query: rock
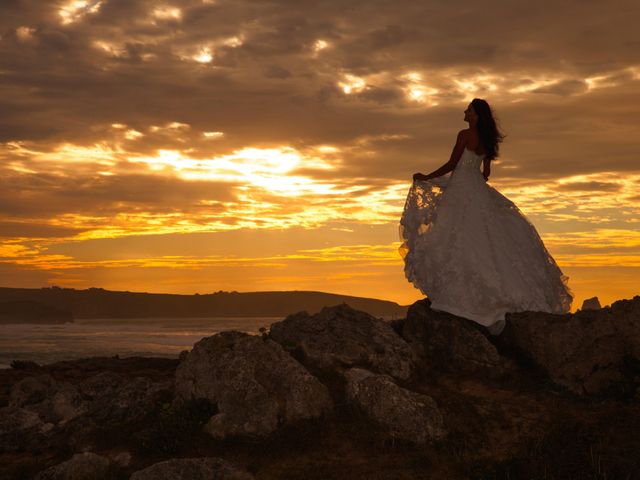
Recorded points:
(66,403)
(81,434)
(625,315)
(447,343)
(17,426)
(254,383)
(584,352)
(183,355)
(103,384)
(115,398)
(403,414)
(340,337)
(208,468)
(55,402)
(32,390)
(591,304)
(123,459)
(82,466)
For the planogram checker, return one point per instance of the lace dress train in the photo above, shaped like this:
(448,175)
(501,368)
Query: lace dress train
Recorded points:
(474,253)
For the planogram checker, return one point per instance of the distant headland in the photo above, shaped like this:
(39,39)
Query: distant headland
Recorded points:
(58,305)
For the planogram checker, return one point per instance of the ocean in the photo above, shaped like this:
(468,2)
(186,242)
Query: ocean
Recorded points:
(126,337)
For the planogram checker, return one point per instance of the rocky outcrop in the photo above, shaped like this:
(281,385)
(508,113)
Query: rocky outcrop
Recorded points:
(255,385)
(591,304)
(402,414)
(447,343)
(208,468)
(587,352)
(17,426)
(457,401)
(114,398)
(338,338)
(82,466)
(39,406)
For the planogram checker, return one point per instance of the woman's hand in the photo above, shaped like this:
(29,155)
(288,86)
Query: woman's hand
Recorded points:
(419,176)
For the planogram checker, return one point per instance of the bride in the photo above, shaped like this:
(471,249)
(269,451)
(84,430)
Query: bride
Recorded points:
(468,247)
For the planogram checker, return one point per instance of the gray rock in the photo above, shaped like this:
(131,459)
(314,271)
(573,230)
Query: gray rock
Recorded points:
(192,469)
(591,304)
(403,414)
(82,466)
(340,337)
(447,343)
(256,385)
(583,352)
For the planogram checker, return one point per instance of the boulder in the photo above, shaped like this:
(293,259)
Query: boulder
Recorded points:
(584,352)
(338,338)
(66,403)
(255,385)
(115,398)
(208,468)
(403,414)
(17,426)
(32,390)
(82,466)
(448,343)
(591,304)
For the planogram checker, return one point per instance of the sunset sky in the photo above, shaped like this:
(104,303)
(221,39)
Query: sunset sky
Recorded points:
(205,145)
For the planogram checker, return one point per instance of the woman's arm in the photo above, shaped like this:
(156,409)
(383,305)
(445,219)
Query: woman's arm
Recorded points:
(486,168)
(458,148)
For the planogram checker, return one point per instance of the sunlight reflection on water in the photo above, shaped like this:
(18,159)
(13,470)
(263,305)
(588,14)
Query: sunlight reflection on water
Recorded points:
(150,337)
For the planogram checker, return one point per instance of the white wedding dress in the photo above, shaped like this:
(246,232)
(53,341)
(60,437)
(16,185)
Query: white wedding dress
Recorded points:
(474,253)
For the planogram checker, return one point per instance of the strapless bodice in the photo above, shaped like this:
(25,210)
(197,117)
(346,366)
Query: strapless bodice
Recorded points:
(468,166)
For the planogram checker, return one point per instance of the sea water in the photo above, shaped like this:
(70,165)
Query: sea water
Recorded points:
(146,337)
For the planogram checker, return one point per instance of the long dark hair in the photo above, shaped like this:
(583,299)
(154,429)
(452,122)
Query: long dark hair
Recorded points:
(490,134)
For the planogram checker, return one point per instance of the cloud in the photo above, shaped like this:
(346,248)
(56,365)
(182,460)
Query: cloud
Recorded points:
(133,118)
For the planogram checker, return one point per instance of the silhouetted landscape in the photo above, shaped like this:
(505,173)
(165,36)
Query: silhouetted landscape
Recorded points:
(341,394)
(57,305)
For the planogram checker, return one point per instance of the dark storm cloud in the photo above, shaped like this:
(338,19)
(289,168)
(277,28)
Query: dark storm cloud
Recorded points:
(62,73)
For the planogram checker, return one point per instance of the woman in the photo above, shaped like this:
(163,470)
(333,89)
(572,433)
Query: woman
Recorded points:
(468,247)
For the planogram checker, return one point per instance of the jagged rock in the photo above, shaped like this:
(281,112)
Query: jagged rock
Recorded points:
(585,351)
(183,355)
(255,384)
(192,469)
(340,337)
(82,466)
(403,414)
(447,343)
(591,304)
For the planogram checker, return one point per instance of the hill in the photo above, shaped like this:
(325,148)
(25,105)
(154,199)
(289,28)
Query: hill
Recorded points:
(100,303)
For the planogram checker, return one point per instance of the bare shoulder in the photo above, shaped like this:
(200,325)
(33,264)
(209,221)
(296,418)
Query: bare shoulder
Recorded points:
(463,136)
